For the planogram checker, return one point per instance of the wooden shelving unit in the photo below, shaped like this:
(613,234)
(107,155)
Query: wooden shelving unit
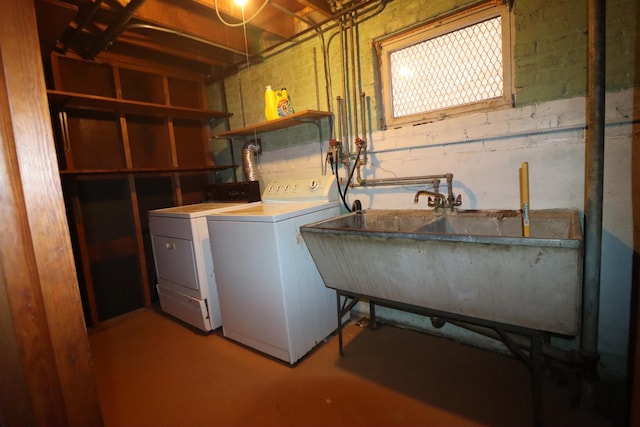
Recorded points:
(124,106)
(129,139)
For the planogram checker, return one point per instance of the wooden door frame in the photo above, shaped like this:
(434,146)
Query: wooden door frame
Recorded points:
(47,376)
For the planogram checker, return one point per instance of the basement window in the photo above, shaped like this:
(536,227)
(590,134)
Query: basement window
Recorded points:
(448,67)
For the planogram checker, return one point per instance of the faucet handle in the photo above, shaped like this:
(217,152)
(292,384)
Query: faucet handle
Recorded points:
(438,201)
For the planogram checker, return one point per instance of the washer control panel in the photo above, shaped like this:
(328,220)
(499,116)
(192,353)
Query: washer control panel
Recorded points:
(304,189)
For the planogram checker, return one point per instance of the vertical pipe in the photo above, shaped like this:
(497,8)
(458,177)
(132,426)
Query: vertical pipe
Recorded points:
(227,123)
(327,73)
(244,119)
(339,311)
(345,130)
(364,124)
(354,88)
(315,75)
(363,116)
(339,117)
(345,67)
(594,167)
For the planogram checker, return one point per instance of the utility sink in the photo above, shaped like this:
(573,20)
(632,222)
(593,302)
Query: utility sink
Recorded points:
(558,225)
(383,220)
(473,263)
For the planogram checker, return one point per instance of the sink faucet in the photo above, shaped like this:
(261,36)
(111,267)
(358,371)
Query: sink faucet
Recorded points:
(439,200)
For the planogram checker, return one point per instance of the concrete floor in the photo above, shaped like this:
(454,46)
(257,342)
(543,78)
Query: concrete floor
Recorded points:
(154,371)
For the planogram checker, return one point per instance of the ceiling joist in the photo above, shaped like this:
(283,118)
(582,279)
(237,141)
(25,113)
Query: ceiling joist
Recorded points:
(192,31)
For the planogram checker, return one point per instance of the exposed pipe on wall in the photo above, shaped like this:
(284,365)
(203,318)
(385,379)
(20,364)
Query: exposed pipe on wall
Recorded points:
(345,91)
(223,100)
(594,167)
(354,79)
(406,180)
(329,21)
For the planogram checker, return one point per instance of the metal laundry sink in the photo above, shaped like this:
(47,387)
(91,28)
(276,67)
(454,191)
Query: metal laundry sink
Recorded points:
(471,263)
(383,220)
(545,224)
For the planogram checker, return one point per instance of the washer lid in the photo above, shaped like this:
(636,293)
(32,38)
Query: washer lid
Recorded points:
(197,210)
(270,212)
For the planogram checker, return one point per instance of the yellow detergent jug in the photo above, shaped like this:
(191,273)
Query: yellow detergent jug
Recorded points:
(283,103)
(270,106)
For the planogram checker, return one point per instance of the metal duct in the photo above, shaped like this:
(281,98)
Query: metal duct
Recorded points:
(249,151)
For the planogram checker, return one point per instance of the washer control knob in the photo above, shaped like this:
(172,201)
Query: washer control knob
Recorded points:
(314,185)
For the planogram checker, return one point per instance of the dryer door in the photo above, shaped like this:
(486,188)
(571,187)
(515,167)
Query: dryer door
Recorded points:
(175,261)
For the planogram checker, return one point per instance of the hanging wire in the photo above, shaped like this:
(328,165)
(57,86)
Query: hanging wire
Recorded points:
(246,50)
(246,43)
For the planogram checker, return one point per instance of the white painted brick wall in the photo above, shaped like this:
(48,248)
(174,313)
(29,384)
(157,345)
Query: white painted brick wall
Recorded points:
(484,152)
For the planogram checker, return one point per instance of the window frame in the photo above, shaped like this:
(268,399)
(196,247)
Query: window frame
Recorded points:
(435,28)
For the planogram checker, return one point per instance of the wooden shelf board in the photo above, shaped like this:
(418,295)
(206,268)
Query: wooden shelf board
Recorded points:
(142,170)
(93,102)
(282,123)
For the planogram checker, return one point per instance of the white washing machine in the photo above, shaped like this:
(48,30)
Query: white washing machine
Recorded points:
(182,253)
(272,297)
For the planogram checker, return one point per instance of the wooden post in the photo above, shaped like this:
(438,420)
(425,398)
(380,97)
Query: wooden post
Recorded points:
(44,350)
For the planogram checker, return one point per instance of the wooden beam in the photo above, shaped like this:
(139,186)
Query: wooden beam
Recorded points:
(45,329)
(53,21)
(200,54)
(114,29)
(182,18)
(320,6)
(269,19)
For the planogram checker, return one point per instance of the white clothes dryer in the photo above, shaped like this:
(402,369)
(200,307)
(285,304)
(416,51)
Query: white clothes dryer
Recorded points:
(182,253)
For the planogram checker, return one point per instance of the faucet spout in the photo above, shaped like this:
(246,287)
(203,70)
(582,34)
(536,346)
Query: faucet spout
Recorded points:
(438,200)
(424,193)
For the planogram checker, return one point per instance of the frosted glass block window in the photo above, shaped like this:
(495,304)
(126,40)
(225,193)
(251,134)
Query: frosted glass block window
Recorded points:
(447,69)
